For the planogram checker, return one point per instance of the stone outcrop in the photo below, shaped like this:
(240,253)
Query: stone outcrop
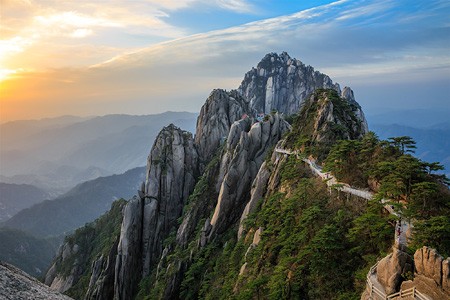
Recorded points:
(148,220)
(258,190)
(219,112)
(16,284)
(391,268)
(246,149)
(327,117)
(101,284)
(62,282)
(282,83)
(432,274)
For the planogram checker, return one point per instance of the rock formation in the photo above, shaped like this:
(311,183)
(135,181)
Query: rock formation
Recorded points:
(327,117)
(62,282)
(16,284)
(171,176)
(233,177)
(245,151)
(101,284)
(282,83)
(258,190)
(391,269)
(219,112)
(432,274)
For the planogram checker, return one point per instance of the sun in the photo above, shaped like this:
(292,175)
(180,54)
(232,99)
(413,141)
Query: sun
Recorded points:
(6,73)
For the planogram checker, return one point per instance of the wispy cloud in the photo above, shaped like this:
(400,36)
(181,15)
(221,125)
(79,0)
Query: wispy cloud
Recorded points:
(240,6)
(355,42)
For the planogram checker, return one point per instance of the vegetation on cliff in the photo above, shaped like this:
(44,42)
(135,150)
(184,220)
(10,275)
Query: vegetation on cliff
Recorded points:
(92,240)
(395,174)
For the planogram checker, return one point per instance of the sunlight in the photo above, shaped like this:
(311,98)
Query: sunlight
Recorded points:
(5,74)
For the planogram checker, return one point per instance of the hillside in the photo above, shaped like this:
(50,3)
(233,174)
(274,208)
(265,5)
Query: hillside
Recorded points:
(82,204)
(31,254)
(15,197)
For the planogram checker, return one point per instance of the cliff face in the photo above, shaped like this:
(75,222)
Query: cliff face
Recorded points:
(245,151)
(213,182)
(282,83)
(149,218)
(219,112)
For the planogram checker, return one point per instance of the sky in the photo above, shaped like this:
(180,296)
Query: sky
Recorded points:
(149,56)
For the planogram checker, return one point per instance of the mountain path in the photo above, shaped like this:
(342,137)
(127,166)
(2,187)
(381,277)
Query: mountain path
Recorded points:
(402,228)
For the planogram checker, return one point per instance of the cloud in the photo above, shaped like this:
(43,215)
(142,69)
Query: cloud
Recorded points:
(366,47)
(235,5)
(81,33)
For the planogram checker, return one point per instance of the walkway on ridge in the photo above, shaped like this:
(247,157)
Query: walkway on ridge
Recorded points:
(331,181)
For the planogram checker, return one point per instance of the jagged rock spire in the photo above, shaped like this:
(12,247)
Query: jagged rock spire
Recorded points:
(282,83)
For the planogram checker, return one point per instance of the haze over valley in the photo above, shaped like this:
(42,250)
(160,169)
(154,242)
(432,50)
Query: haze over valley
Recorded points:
(224,149)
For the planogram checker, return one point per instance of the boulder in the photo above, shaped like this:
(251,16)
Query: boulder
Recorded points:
(431,275)
(391,268)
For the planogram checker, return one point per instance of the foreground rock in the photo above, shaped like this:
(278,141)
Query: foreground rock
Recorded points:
(429,271)
(391,268)
(432,274)
(16,284)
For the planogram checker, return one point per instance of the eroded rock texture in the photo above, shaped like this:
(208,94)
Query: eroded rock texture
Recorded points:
(16,284)
(245,152)
(282,83)
(148,220)
(219,112)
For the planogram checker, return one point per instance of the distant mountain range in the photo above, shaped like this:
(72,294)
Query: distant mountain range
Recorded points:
(56,154)
(84,203)
(15,197)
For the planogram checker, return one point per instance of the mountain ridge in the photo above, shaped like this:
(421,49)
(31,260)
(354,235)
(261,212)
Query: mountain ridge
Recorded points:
(222,215)
(82,204)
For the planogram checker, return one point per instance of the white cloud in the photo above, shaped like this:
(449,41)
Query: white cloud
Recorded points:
(179,74)
(239,6)
(81,33)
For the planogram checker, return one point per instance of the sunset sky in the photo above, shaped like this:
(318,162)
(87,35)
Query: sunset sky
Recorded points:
(149,56)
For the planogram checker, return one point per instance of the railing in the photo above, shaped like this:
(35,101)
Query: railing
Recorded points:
(407,293)
(375,293)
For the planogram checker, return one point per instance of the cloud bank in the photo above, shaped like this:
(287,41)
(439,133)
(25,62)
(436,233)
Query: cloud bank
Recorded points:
(368,45)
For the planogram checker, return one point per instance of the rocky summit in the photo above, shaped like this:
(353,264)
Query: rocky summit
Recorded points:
(240,209)
(282,83)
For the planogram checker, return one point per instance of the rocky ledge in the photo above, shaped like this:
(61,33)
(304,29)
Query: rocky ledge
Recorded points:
(16,284)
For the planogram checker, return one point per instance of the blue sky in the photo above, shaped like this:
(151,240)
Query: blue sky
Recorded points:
(150,56)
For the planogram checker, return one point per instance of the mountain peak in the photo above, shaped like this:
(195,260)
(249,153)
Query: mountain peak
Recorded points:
(282,83)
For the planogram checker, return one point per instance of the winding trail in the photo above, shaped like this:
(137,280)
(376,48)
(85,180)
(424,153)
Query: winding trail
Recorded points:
(332,182)
(402,228)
